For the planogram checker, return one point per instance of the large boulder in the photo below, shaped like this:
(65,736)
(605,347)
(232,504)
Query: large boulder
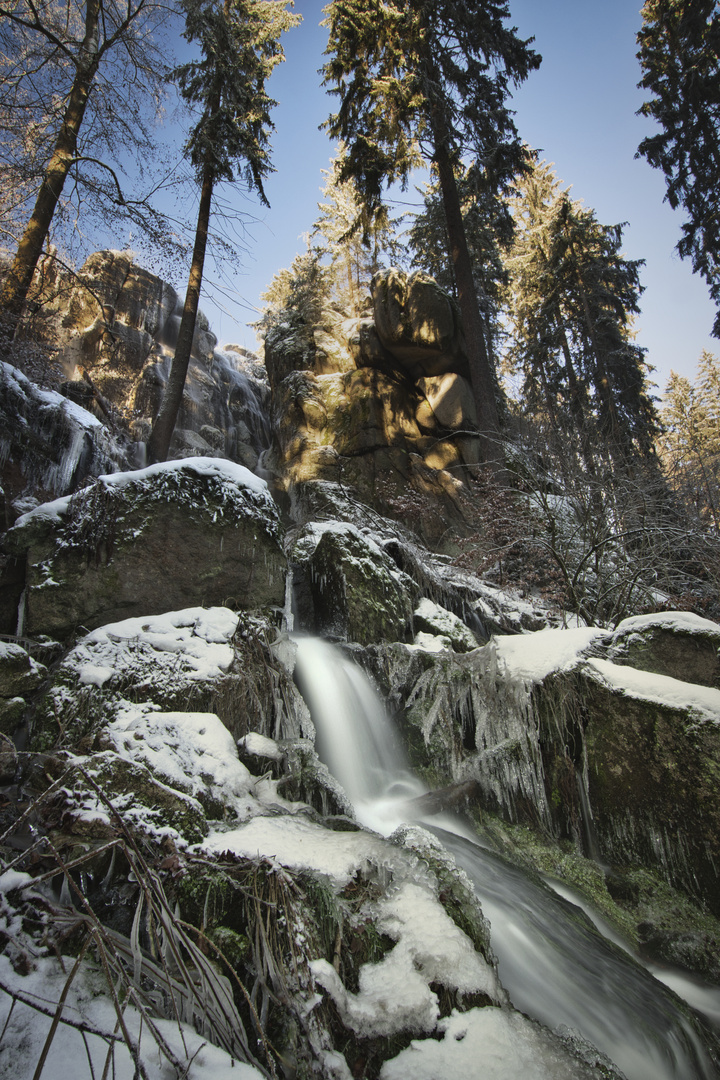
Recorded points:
(199,531)
(49,444)
(417,323)
(113,328)
(674,643)
(348,587)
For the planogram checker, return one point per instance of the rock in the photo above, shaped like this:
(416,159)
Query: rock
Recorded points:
(207,660)
(649,747)
(153,807)
(19,673)
(8,760)
(357,592)
(199,531)
(450,401)
(433,619)
(673,643)
(12,712)
(360,429)
(50,444)
(417,323)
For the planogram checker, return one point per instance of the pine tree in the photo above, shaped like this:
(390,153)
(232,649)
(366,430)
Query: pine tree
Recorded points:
(690,443)
(680,60)
(418,79)
(239,40)
(488,230)
(572,299)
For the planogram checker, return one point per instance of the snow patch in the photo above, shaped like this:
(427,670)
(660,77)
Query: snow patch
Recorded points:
(492,1043)
(395,993)
(536,655)
(194,752)
(299,844)
(701,702)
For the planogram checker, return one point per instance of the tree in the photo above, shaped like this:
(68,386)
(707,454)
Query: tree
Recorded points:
(488,230)
(680,60)
(572,298)
(690,443)
(352,262)
(419,79)
(68,70)
(239,41)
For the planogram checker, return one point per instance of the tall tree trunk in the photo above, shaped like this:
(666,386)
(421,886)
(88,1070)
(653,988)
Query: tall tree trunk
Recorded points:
(481,375)
(161,434)
(19,279)
(576,407)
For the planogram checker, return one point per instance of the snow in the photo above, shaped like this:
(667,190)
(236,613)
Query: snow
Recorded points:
(194,752)
(701,702)
(682,622)
(195,642)
(88,1001)
(49,398)
(432,643)
(445,623)
(226,471)
(535,656)
(260,746)
(204,466)
(491,1043)
(298,844)
(395,993)
(14,879)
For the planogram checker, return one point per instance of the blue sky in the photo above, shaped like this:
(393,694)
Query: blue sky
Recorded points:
(578,109)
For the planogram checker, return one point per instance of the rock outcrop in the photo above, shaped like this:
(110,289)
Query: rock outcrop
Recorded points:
(198,531)
(417,325)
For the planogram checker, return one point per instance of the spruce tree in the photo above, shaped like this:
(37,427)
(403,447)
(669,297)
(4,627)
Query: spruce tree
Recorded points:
(690,442)
(488,230)
(572,299)
(352,263)
(680,61)
(240,45)
(430,80)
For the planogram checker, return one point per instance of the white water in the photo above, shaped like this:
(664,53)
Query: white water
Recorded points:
(555,965)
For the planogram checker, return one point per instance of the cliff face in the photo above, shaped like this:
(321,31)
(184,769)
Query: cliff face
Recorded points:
(150,717)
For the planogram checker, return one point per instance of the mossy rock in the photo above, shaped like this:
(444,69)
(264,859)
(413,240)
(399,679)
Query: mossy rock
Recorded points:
(431,618)
(674,643)
(357,592)
(653,771)
(19,673)
(162,539)
(144,803)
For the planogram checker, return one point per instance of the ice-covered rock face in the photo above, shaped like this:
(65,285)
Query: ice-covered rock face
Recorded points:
(199,531)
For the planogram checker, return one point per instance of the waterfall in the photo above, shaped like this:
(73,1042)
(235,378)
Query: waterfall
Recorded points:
(556,966)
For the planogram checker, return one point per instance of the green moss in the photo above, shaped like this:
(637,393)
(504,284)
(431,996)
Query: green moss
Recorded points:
(235,947)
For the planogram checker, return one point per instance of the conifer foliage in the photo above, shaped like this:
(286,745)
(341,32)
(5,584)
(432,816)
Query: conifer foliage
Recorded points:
(571,300)
(419,79)
(680,60)
(240,46)
(690,444)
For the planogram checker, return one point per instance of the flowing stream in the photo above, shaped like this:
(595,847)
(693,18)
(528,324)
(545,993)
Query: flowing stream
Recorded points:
(556,966)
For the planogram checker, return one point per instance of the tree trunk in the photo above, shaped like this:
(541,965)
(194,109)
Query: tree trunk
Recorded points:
(481,375)
(19,279)
(161,434)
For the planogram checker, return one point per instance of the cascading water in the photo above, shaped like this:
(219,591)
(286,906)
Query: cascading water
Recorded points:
(555,965)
